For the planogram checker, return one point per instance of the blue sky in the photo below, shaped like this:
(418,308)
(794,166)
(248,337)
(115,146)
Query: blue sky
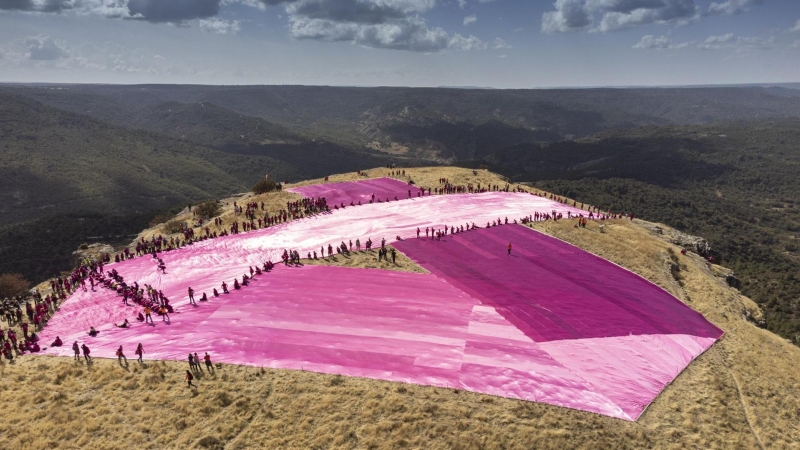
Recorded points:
(490,43)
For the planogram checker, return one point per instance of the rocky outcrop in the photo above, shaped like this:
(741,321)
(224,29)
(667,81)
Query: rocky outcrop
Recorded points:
(691,243)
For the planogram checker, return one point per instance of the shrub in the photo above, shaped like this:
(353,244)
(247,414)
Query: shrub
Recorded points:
(84,246)
(264,186)
(173,226)
(13,284)
(207,210)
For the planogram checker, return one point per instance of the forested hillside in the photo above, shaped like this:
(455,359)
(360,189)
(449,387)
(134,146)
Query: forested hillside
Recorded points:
(415,118)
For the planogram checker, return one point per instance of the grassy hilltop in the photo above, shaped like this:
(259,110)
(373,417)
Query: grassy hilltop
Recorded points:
(744,392)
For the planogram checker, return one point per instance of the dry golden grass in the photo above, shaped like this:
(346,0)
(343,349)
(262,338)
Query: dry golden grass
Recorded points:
(369,260)
(743,393)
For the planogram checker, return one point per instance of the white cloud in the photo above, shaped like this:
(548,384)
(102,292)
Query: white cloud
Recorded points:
(462,3)
(570,15)
(747,44)
(503,56)
(470,20)
(795,45)
(716,42)
(500,44)
(741,44)
(651,42)
(730,7)
(459,42)
(45,48)
(220,26)
(411,34)
(796,28)
(615,15)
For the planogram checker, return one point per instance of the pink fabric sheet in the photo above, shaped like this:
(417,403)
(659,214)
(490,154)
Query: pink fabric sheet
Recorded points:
(358,191)
(413,328)
(204,265)
(433,329)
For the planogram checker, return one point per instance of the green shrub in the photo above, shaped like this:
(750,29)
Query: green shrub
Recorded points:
(264,186)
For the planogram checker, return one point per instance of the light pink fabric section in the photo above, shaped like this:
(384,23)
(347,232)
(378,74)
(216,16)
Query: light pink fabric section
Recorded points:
(359,191)
(206,264)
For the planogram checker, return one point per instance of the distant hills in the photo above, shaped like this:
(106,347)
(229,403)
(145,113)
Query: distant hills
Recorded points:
(412,118)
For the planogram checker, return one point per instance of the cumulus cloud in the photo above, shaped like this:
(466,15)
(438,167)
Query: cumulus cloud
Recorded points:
(395,24)
(174,11)
(615,15)
(741,44)
(636,13)
(389,24)
(36,5)
(500,44)
(651,42)
(411,34)
(730,7)
(220,26)
(45,48)
(716,42)
(570,15)
(358,11)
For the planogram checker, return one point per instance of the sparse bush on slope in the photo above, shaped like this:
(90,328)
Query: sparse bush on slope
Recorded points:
(13,284)
(207,210)
(264,186)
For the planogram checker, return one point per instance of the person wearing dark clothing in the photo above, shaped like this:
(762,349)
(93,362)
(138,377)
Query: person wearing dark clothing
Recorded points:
(189,378)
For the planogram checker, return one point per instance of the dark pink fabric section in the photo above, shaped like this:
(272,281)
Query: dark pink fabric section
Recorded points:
(359,191)
(552,290)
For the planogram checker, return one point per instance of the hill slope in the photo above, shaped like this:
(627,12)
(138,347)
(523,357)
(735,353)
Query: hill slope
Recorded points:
(54,162)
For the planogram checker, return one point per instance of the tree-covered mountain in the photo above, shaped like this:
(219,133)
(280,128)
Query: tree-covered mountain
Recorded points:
(422,120)
(53,161)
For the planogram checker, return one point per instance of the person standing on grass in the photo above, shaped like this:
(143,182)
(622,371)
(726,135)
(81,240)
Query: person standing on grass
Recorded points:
(191,361)
(77,350)
(207,359)
(189,378)
(86,352)
(121,356)
(197,362)
(139,352)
